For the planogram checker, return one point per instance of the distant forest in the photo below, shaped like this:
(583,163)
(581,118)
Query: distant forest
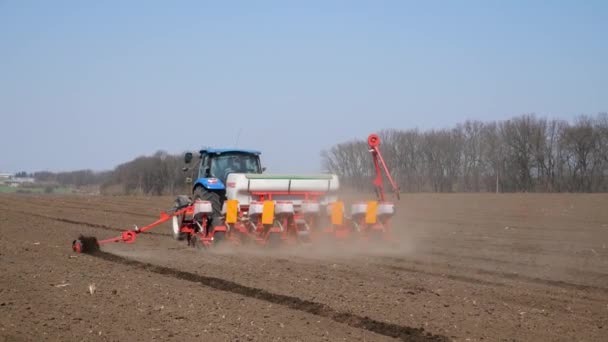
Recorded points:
(158,174)
(523,154)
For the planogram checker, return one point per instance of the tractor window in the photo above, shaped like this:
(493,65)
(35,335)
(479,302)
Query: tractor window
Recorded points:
(225,164)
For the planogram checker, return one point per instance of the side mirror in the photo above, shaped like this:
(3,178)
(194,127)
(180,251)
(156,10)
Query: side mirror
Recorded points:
(188,157)
(207,172)
(264,169)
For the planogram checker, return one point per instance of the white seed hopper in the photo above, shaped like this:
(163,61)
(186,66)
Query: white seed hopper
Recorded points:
(246,187)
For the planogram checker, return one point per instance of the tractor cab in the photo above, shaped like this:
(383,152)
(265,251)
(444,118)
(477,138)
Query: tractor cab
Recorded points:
(216,164)
(220,163)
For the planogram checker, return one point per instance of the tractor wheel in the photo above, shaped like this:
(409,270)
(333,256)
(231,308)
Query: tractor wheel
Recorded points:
(216,203)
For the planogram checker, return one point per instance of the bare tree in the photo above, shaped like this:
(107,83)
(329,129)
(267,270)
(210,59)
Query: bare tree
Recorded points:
(525,153)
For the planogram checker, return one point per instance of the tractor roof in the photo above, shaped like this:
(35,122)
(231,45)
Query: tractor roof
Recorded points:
(229,150)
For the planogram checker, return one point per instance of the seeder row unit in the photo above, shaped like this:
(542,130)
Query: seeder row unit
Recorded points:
(269,223)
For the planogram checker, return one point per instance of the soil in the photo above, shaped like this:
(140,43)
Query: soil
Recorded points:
(464,267)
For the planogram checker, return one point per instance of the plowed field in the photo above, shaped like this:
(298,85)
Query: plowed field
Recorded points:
(467,267)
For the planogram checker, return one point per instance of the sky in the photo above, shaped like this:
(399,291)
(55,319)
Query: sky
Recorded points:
(92,84)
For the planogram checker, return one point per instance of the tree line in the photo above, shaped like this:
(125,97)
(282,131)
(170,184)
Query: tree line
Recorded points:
(524,154)
(76,178)
(158,174)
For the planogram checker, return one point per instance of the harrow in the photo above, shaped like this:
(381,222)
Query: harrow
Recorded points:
(271,211)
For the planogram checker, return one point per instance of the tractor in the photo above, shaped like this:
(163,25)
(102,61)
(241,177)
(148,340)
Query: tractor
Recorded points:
(209,188)
(265,208)
(213,169)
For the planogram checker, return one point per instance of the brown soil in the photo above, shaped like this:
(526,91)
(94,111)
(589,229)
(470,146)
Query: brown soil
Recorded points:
(465,268)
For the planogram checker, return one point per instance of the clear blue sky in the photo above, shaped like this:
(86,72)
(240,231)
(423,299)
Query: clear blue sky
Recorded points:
(90,84)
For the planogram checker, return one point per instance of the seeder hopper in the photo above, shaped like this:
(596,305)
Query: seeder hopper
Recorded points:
(235,203)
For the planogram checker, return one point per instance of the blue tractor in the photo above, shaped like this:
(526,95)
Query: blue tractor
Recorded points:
(214,167)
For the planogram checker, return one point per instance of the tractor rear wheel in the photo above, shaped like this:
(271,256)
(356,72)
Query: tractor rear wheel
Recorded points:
(216,203)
